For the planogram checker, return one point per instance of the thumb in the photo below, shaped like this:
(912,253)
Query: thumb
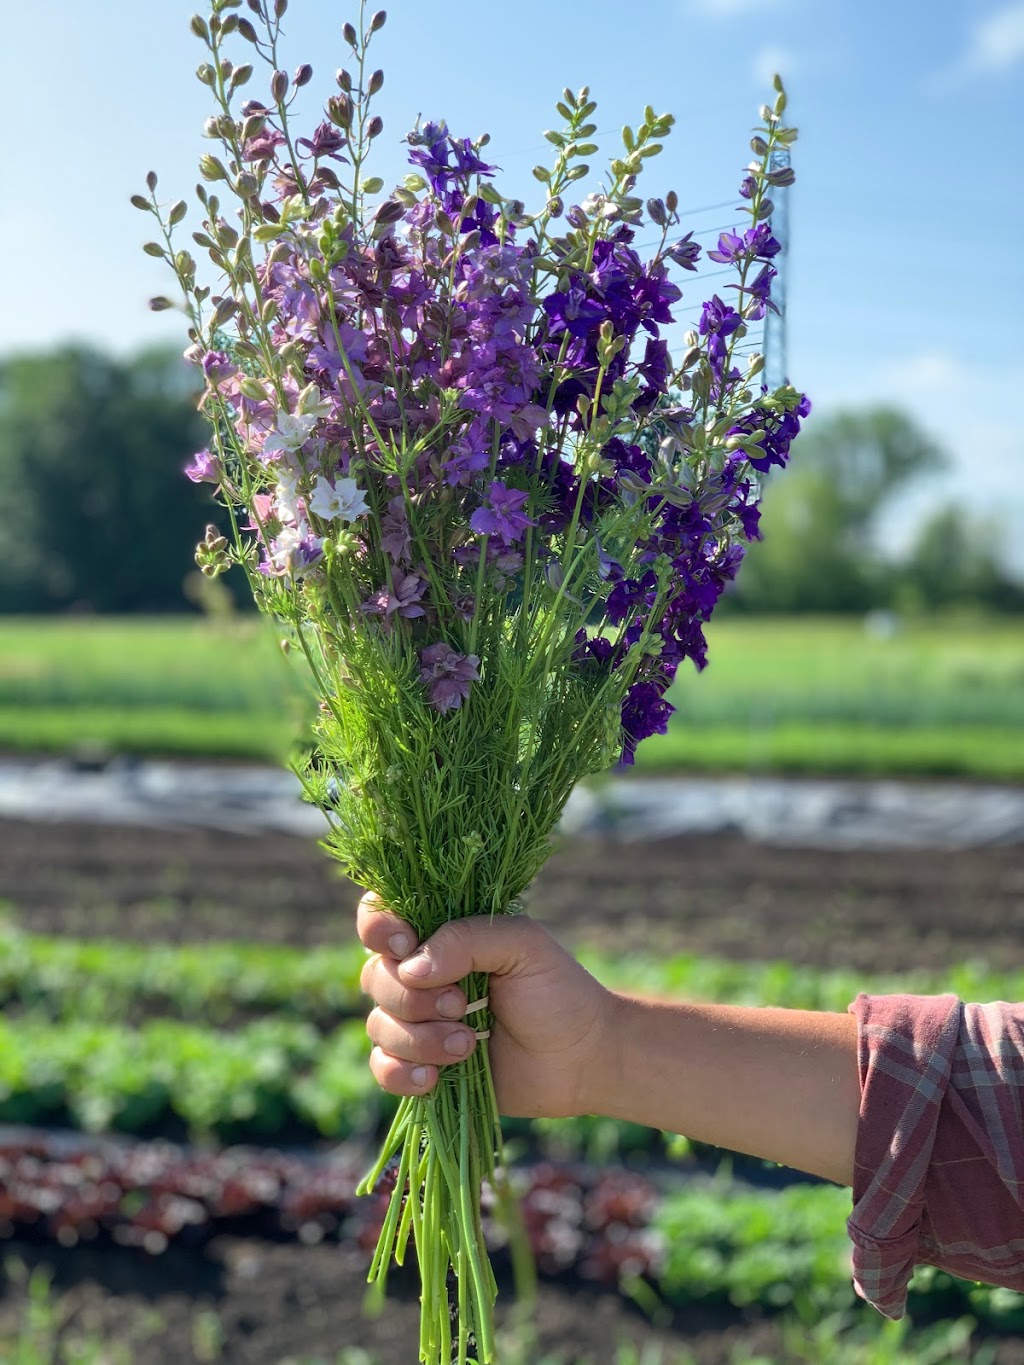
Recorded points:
(502,946)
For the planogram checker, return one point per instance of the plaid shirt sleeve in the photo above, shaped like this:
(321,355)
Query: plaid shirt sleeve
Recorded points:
(939,1161)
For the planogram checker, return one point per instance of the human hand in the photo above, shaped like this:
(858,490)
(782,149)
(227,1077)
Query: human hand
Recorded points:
(550,1014)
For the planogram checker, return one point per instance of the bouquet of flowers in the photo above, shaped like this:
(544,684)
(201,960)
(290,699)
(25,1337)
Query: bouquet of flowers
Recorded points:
(463,470)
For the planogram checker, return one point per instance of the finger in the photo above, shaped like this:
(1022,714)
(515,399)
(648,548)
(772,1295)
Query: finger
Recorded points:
(379,980)
(381,931)
(401,1078)
(501,947)
(437,1044)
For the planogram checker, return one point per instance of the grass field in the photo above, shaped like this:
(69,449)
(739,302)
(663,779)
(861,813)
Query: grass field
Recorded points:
(940,697)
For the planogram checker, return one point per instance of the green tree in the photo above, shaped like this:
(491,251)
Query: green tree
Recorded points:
(91,452)
(953,563)
(820,516)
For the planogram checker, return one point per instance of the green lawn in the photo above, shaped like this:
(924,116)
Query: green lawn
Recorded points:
(798,695)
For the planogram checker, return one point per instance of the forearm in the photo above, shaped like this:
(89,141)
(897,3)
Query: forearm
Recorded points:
(774,1083)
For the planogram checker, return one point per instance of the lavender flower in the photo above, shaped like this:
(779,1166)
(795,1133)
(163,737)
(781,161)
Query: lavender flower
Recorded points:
(447,675)
(503,515)
(205,468)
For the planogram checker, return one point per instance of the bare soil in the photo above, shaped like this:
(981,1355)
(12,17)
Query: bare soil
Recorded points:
(244,1300)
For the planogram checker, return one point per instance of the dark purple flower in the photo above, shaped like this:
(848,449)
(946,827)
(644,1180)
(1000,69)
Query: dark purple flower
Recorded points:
(503,515)
(434,159)
(645,712)
(571,311)
(447,675)
(631,595)
(685,252)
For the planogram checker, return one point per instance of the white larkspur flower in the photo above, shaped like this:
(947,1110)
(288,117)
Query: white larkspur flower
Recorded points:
(286,495)
(292,431)
(295,549)
(342,500)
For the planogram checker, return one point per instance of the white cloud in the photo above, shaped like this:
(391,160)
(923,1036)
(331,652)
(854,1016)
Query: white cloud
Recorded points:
(994,45)
(769,61)
(997,42)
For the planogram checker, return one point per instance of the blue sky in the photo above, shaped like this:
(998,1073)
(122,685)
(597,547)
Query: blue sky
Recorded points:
(905,266)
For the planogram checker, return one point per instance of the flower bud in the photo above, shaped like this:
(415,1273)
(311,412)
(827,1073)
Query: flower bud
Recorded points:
(303,74)
(671,201)
(252,389)
(279,86)
(247,31)
(656,212)
(240,75)
(376,83)
(198,26)
(212,168)
(280,6)
(211,127)
(349,34)
(378,21)
(160,304)
(247,186)
(339,111)
(344,80)
(177,213)
(555,206)
(206,74)
(375,127)
(153,249)
(138,202)
(781,178)
(151,180)
(226,309)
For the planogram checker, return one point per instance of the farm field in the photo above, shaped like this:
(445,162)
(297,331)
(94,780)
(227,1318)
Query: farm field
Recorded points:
(198,986)
(111,930)
(939,697)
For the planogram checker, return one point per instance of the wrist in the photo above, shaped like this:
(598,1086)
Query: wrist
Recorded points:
(601,1081)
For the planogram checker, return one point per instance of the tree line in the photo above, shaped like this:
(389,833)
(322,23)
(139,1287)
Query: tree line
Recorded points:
(99,516)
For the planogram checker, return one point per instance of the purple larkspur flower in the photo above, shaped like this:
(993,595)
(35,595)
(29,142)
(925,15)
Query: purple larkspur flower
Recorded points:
(502,515)
(217,367)
(447,675)
(645,712)
(685,252)
(631,595)
(396,538)
(263,146)
(402,598)
(327,140)
(205,467)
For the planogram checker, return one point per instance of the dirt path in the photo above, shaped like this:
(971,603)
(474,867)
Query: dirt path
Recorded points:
(890,910)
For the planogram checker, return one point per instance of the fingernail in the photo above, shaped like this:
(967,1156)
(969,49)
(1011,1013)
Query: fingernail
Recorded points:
(417,965)
(399,944)
(457,1044)
(450,1005)
(419,1076)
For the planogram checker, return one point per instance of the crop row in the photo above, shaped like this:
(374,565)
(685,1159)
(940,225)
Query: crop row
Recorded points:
(272,1075)
(708,1240)
(276,1076)
(80,979)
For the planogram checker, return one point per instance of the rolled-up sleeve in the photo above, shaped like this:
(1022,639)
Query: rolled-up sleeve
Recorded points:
(939,1161)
